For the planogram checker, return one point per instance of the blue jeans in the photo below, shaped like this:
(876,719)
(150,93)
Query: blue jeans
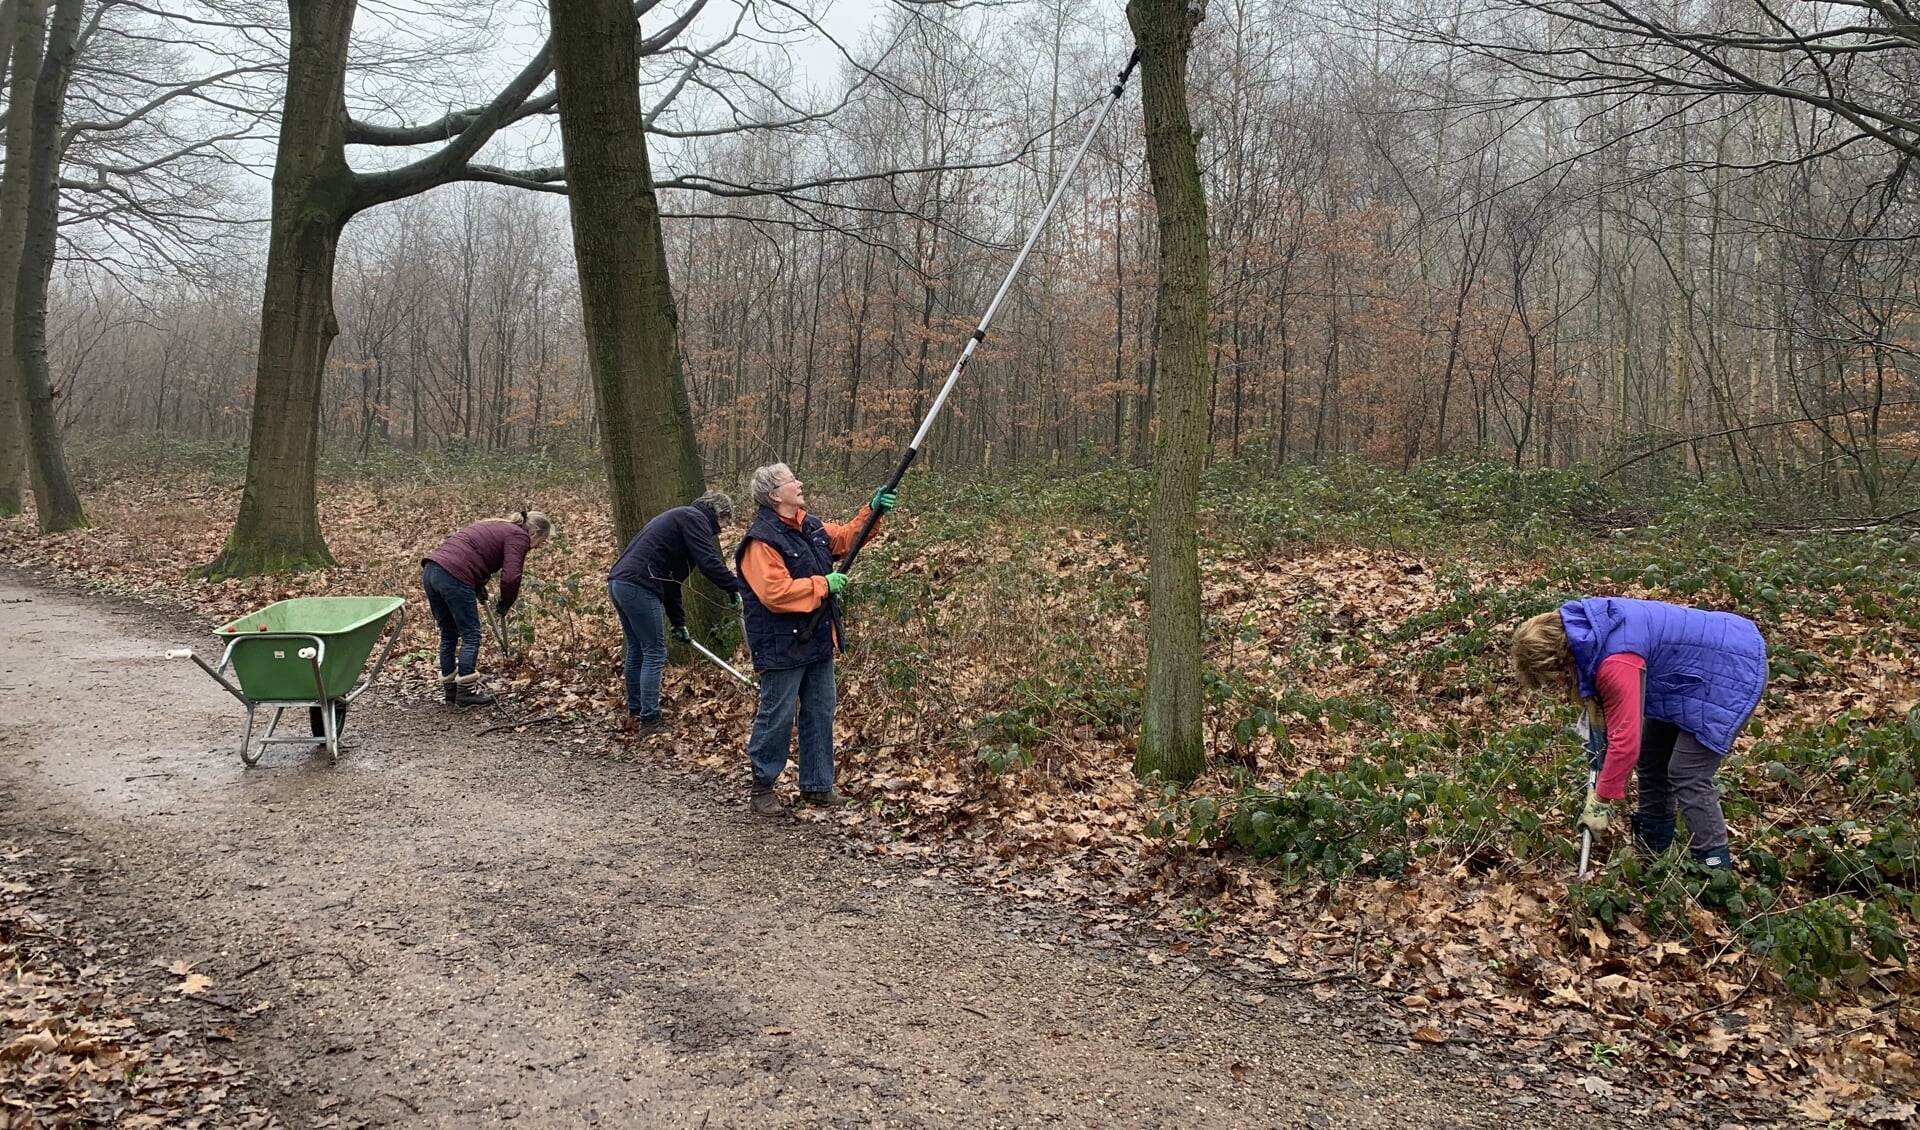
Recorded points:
(643,622)
(809,691)
(456,608)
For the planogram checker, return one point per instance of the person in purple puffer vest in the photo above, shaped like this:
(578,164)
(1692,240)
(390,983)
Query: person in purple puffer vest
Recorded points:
(1671,687)
(455,576)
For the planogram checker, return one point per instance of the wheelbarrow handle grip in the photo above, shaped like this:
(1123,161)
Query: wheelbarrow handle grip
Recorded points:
(179,653)
(308,653)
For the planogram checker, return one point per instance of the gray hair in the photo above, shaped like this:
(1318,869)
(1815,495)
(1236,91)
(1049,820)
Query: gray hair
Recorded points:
(768,479)
(718,501)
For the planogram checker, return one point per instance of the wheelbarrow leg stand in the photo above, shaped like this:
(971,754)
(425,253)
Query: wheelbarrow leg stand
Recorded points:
(248,755)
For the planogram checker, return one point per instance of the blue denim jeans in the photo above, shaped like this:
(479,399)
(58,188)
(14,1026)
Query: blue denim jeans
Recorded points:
(456,608)
(643,622)
(809,692)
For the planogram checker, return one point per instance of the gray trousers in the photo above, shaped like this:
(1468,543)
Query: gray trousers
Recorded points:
(1676,772)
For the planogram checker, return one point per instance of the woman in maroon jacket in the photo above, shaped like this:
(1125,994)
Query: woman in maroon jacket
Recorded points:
(455,576)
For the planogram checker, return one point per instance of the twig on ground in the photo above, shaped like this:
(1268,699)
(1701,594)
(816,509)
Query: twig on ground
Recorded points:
(516,724)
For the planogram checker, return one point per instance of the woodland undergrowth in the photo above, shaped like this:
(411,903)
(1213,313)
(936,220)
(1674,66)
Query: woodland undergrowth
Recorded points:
(1385,813)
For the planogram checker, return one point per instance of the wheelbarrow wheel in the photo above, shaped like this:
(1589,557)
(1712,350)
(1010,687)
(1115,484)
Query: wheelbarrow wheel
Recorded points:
(319,723)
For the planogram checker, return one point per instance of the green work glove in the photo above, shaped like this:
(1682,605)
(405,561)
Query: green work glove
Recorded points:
(1595,814)
(884,500)
(679,632)
(836,582)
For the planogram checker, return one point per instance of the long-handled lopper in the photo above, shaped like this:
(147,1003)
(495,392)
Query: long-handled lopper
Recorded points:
(979,333)
(730,668)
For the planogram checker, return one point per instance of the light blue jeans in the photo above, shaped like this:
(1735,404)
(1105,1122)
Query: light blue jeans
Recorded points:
(809,692)
(643,622)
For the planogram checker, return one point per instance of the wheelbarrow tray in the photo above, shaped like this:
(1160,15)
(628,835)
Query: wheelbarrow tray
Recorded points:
(267,663)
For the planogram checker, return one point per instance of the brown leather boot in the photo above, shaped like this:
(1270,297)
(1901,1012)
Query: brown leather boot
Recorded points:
(465,691)
(765,803)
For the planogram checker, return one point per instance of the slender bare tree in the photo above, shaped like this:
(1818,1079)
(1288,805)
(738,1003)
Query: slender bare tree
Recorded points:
(1171,739)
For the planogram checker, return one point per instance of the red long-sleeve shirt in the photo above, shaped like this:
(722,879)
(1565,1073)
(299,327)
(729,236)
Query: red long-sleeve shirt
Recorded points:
(1621,686)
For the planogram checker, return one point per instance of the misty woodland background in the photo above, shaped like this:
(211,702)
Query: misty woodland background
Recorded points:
(1417,250)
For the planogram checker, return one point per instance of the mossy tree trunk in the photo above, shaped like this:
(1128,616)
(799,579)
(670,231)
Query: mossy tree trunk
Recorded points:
(55,502)
(26,34)
(278,527)
(633,335)
(1172,743)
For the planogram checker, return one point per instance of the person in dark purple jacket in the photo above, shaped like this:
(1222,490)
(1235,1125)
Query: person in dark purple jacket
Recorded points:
(645,589)
(455,576)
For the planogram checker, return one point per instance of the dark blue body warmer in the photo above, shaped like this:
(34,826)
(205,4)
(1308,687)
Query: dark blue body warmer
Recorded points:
(1705,670)
(774,637)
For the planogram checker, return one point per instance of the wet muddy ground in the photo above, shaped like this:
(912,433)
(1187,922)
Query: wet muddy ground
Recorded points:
(450,928)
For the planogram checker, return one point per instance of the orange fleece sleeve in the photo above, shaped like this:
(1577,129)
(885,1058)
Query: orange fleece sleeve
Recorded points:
(762,567)
(842,534)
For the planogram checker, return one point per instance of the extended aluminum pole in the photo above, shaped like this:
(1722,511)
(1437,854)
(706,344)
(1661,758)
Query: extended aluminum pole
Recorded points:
(980,332)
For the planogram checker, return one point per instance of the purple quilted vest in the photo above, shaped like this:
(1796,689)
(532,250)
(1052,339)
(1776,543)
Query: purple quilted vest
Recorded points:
(1705,670)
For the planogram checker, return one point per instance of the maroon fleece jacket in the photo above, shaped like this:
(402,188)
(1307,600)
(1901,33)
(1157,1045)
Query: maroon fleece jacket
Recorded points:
(477,552)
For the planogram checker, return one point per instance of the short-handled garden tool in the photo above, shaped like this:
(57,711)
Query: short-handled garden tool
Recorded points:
(497,620)
(1593,742)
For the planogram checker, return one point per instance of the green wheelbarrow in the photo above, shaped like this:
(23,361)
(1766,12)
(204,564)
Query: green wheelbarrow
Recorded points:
(308,652)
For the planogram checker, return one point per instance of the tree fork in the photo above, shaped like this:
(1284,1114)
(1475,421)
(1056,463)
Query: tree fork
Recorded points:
(278,527)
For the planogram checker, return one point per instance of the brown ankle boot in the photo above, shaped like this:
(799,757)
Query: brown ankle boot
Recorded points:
(465,691)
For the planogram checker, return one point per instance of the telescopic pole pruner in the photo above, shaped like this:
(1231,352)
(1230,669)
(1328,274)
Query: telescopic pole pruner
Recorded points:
(980,332)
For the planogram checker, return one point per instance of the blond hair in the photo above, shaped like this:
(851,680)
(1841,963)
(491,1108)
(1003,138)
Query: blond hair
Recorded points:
(539,527)
(1543,660)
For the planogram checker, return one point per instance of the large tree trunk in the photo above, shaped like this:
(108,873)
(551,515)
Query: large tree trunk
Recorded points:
(54,500)
(1171,739)
(27,33)
(633,336)
(278,527)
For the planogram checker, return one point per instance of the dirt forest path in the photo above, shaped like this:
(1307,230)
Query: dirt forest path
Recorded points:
(447,929)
